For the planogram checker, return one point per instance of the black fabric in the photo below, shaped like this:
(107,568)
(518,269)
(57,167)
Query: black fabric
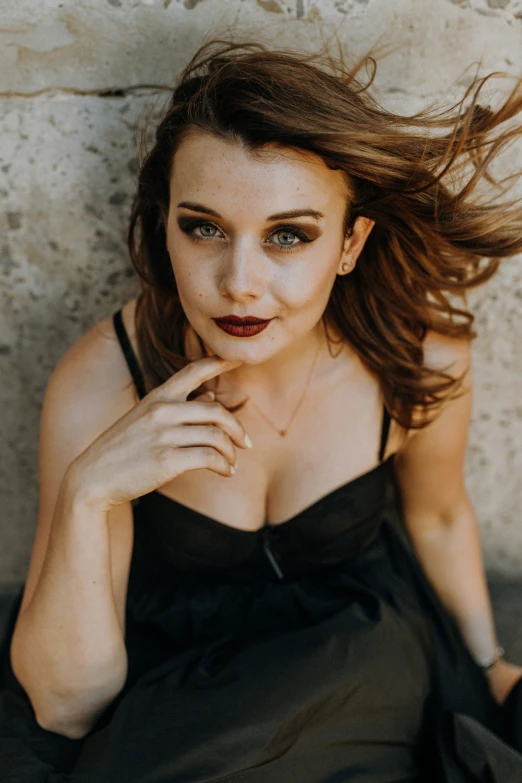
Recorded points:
(314,651)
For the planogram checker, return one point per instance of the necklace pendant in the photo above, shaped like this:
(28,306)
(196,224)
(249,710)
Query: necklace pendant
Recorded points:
(282,432)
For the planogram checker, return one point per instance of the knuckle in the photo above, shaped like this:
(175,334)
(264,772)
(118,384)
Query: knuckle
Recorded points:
(216,434)
(223,415)
(163,437)
(165,454)
(156,410)
(212,456)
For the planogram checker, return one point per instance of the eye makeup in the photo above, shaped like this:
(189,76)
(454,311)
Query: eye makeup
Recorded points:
(188,226)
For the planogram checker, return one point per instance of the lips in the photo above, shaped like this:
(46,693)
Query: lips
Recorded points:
(242,327)
(236,319)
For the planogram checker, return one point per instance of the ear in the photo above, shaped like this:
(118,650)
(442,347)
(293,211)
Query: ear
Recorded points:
(354,243)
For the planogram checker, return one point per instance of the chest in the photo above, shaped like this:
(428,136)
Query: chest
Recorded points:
(335,438)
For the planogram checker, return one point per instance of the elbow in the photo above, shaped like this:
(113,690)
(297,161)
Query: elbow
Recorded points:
(75,716)
(66,727)
(73,711)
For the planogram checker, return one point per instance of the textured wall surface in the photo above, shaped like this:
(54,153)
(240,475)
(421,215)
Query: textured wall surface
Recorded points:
(76,80)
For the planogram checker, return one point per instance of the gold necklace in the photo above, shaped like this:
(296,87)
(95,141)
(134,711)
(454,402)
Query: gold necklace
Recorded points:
(282,432)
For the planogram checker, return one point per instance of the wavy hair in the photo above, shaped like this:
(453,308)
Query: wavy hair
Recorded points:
(418,177)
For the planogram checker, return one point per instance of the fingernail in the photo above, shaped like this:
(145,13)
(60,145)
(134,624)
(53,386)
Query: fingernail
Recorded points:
(248,442)
(211,395)
(232,469)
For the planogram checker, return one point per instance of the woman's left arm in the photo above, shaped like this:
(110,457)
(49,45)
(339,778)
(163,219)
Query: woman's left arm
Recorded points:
(439,516)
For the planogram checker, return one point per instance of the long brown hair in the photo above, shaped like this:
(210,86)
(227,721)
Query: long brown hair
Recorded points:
(416,176)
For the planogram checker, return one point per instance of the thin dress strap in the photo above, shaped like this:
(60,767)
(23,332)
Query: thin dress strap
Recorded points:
(384,431)
(128,352)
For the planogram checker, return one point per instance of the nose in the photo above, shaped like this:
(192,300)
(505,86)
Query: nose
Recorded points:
(242,276)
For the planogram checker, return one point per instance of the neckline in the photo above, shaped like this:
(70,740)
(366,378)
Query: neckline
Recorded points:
(267,525)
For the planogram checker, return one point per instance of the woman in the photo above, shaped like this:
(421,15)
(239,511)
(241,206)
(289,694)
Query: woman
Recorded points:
(259,562)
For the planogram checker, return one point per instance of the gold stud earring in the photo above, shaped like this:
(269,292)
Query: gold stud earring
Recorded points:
(345,266)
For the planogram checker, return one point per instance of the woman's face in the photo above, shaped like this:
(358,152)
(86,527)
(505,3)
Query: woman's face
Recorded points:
(232,253)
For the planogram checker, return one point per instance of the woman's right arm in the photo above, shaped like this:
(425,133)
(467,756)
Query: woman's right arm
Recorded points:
(68,650)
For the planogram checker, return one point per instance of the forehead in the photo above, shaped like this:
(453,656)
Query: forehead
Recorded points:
(208,165)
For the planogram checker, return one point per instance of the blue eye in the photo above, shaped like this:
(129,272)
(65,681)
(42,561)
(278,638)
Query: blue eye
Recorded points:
(205,225)
(190,227)
(291,232)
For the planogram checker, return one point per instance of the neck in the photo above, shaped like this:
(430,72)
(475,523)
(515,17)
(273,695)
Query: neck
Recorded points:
(280,374)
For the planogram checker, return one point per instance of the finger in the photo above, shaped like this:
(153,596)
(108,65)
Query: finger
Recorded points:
(207,396)
(203,435)
(194,374)
(197,457)
(194,412)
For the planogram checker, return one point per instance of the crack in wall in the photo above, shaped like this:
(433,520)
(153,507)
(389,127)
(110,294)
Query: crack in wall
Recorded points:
(111,92)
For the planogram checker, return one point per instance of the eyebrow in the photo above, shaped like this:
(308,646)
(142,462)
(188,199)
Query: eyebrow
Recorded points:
(293,213)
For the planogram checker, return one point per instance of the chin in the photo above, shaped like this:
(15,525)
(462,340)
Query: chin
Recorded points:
(242,349)
(247,355)
(249,350)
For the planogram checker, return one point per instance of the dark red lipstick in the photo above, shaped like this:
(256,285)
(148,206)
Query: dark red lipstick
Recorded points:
(242,327)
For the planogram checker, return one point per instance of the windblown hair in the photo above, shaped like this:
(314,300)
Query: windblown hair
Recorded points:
(416,176)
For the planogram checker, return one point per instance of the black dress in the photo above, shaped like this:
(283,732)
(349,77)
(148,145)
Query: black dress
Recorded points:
(313,651)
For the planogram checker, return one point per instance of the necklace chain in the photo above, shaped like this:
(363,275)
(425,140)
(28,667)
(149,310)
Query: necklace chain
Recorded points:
(282,432)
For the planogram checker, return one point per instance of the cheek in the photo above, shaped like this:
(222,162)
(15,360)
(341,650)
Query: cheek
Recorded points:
(306,289)
(192,288)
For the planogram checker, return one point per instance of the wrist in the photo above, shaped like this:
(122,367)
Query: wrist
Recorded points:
(488,664)
(75,492)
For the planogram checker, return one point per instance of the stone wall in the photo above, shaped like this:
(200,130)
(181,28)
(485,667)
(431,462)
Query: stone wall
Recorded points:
(76,82)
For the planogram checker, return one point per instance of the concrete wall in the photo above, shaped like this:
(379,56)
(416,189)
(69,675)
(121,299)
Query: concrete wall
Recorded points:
(75,82)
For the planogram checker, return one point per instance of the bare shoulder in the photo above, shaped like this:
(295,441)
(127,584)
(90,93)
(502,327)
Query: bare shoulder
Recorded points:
(96,366)
(89,389)
(443,352)
(451,355)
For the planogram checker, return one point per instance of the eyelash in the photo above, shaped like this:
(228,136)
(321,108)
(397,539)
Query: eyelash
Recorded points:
(189,228)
